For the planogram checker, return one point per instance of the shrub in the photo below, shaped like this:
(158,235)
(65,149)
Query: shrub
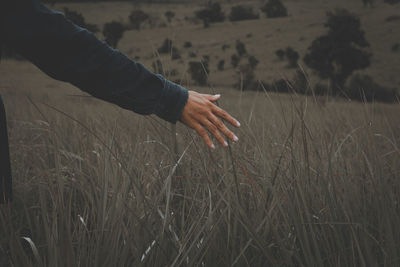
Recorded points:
(137,17)
(292,56)
(240,48)
(221,65)
(175,54)
(392,2)
(235,59)
(79,20)
(225,46)
(280,53)
(212,13)
(187,44)
(253,62)
(198,72)
(241,12)
(113,32)
(363,87)
(339,53)
(166,47)
(169,15)
(246,79)
(192,54)
(396,47)
(274,9)
(392,18)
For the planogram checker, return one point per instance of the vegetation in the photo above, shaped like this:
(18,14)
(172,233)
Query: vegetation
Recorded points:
(241,12)
(274,9)
(306,185)
(113,32)
(364,88)
(199,72)
(137,17)
(169,15)
(79,20)
(212,13)
(339,53)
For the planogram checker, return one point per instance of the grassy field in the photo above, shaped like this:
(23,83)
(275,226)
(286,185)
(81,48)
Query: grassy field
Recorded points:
(312,181)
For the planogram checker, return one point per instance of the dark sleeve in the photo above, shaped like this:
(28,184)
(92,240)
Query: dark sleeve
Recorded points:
(69,53)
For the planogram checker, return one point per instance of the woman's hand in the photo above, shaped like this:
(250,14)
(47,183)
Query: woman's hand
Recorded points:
(201,114)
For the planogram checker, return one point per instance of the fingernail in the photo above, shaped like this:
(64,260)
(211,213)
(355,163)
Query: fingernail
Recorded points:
(212,146)
(237,123)
(218,95)
(225,143)
(235,138)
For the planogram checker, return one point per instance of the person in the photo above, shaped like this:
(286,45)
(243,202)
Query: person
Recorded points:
(69,53)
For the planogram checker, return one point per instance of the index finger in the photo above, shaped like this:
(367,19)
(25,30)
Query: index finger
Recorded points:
(226,116)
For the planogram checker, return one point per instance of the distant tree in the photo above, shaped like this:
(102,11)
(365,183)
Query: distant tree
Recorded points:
(113,32)
(367,3)
(340,52)
(212,13)
(274,9)
(169,15)
(221,65)
(292,56)
(241,12)
(392,2)
(280,54)
(198,72)
(240,48)
(137,17)
(187,44)
(253,62)
(79,20)
(396,47)
(235,59)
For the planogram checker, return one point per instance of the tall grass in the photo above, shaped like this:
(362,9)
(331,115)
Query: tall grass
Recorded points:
(318,184)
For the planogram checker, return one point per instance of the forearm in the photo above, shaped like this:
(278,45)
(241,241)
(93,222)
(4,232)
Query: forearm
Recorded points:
(72,54)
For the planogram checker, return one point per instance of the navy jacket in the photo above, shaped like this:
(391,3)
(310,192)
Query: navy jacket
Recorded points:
(72,54)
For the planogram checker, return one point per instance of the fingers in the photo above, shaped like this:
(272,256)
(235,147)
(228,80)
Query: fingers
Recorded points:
(222,127)
(225,115)
(203,134)
(214,130)
(212,98)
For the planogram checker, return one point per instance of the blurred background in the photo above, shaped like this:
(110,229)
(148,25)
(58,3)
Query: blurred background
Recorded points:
(342,48)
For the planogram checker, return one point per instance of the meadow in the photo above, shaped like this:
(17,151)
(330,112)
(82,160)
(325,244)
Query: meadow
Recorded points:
(313,181)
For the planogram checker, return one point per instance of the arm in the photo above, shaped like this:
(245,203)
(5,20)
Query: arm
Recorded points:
(69,53)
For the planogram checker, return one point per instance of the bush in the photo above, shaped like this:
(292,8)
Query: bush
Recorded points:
(392,2)
(221,65)
(192,54)
(137,17)
(253,62)
(187,44)
(240,12)
(198,72)
(364,88)
(292,56)
(240,48)
(113,32)
(396,47)
(280,53)
(274,9)
(169,15)
(246,79)
(212,13)
(79,20)
(235,59)
(225,46)
(392,18)
(166,47)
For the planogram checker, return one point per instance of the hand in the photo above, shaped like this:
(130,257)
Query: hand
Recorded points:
(201,114)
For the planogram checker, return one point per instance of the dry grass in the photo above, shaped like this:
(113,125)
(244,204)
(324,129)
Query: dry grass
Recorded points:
(311,183)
